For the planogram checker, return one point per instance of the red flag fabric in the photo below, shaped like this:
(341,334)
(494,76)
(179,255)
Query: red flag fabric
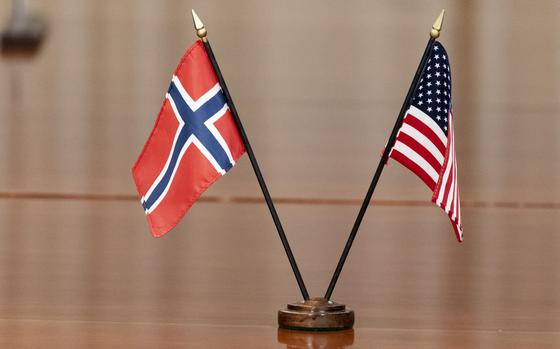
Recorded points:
(194,142)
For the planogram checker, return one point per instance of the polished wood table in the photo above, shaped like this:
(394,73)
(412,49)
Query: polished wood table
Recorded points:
(318,86)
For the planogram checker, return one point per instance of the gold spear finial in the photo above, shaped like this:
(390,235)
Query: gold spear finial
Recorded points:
(436,28)
(199,26)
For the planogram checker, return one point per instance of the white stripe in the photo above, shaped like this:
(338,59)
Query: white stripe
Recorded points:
(425,141)
(212,128)
(429,122)
(450,194)
(444,183)
(449,177)
(194,105)
(166,166)
(189,141)
(456,187)
(457,203)
(417,159)
(445,178)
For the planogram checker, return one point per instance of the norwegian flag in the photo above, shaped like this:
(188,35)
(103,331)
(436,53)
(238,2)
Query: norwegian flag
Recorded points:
(426,142)
(194,142)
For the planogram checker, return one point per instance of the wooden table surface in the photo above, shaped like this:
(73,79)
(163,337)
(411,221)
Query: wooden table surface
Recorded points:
(318,86)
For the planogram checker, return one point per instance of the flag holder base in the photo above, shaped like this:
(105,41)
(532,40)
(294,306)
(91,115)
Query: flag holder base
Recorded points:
(307,339)
(24,35)
(316,314)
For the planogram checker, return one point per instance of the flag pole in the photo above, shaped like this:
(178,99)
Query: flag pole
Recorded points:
(201,32)
(434,34)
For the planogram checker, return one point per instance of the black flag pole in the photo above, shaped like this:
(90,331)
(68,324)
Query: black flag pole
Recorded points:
(201,32)
(434,34)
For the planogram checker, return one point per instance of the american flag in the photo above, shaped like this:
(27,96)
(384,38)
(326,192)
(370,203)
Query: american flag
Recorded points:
(426,142)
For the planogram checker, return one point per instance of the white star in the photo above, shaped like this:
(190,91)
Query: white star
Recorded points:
(438,109)
(420,103)
(445,110)
(429,76)
(420,95)
(429,67)
(438,117)
(429,100)
(437,65)
(438,74)
(436,48)
(443,56)
(438,83)
(445,119)
(445,93)
(429,109)
(438,92)
(436,56)
(429,92)
(421,87)
(429,84)
(438,100)
(445,128)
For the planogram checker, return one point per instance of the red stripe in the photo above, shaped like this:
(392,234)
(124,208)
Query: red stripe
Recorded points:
(455,190)
(411,165)
(447,188)
(456,228)
(443,178)
(452,207)
(425,130)
(447,179)
(420,149)
(452,191)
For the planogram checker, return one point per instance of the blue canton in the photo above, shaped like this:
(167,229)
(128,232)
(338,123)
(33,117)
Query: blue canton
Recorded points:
(433,95)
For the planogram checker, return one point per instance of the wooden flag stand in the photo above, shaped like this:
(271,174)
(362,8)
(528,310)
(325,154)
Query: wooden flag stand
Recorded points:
(307,339)
(316,314)
(25,32)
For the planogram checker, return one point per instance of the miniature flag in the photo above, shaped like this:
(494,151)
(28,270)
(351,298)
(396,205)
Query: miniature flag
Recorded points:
(194,142)
(426,142)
